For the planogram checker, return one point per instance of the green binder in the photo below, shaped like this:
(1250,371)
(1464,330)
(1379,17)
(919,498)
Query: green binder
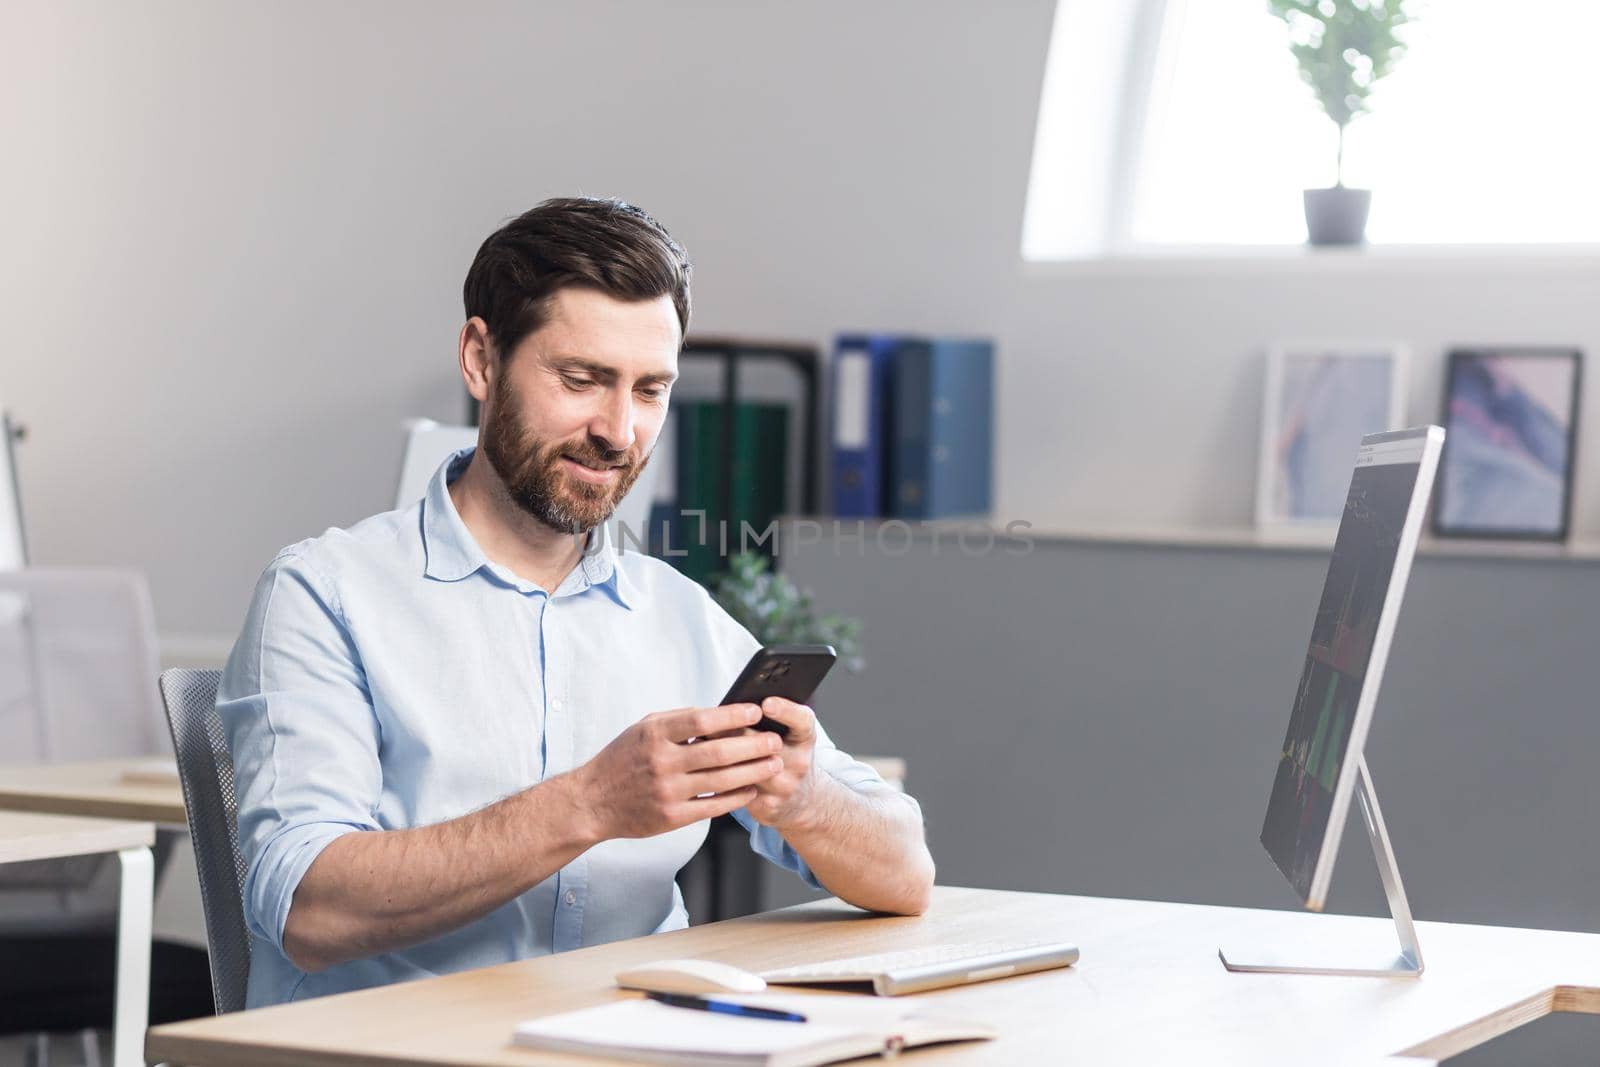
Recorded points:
(755,456)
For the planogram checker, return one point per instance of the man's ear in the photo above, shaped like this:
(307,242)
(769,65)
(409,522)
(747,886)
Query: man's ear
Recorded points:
(476,354)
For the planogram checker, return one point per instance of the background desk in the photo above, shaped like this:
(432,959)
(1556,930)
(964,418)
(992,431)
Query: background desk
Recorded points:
(93,788)
(46,837)
(1149,989)
(97,789)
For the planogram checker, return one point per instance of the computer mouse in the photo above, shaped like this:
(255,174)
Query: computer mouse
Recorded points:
(690,976)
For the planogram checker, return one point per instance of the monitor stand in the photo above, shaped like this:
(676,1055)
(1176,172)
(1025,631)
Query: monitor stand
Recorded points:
(1341,950)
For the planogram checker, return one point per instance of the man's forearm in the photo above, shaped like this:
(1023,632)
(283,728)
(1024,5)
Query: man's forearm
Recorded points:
(866,849)
(377,891)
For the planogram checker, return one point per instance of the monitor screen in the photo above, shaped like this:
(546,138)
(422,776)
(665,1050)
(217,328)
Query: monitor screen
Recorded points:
(1316,775)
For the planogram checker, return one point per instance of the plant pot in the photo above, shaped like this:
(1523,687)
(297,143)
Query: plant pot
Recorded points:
(1337,216)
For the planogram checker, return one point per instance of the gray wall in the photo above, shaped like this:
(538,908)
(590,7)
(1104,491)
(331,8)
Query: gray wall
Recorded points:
(232,238)
(1106,720)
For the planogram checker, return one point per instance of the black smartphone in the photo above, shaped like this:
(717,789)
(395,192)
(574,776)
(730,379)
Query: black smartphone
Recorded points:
(789,671)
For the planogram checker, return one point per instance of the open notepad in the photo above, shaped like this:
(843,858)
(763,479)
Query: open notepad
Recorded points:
(656,1033)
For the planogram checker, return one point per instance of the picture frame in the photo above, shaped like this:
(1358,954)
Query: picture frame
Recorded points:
(1511,433)
(1320,399)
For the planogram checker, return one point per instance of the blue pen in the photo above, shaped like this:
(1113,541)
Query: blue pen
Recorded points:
(727,1007)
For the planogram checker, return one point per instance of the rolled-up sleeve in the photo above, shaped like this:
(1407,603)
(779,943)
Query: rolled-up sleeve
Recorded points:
(298,718)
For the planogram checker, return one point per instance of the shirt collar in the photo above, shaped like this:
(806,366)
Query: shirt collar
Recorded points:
(452,553)
(602,566)
(449,547)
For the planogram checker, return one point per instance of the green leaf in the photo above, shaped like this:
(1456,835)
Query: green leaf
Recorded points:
(1343,48)
(773,609)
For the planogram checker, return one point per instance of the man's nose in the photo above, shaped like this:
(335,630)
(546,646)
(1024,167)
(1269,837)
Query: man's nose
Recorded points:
(613,423)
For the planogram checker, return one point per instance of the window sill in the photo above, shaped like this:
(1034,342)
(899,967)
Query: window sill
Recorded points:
(1248,260)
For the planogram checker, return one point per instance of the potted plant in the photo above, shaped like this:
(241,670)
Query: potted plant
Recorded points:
(773,609)
(1343,48)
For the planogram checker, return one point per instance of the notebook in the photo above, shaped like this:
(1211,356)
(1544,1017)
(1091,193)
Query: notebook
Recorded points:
(651,1032)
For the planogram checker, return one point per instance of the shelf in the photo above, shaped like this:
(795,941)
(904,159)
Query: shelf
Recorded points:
(1252,261)
(1315,542)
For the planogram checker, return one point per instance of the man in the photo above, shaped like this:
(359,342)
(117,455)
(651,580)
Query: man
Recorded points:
(461,731)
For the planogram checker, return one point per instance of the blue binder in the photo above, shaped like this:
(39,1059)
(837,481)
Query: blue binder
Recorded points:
(943,430)
(863,370)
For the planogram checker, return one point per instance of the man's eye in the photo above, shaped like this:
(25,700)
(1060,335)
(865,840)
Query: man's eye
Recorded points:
(654,392)
(576,383)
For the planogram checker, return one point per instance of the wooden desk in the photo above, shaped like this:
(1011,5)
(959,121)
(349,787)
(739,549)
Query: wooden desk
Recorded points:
(1149,989)
(26,836)
(93,788)
(50,837)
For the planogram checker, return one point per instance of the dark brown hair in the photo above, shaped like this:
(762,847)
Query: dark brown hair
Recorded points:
(583,242)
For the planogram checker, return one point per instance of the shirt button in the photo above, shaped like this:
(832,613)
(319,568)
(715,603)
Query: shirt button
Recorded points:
(572,898)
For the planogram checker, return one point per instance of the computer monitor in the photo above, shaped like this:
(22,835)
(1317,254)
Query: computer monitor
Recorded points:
(1321,766)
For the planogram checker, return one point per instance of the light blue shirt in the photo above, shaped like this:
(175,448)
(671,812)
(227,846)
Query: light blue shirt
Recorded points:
(390,676)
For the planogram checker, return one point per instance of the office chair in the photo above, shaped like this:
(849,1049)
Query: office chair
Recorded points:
(78,657)
(205,769)
(427,444)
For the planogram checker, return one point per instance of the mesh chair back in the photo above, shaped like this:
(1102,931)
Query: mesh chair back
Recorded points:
(206,770)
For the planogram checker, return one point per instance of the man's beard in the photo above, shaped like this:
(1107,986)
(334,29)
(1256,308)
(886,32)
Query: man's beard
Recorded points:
(534,475)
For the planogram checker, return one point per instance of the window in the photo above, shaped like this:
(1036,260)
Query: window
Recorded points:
(1482,134)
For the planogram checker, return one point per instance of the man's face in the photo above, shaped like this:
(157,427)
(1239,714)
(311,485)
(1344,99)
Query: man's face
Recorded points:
(574,412)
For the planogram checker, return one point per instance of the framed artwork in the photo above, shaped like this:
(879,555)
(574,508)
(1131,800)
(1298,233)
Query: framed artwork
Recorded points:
(1321,398)
(1511,422)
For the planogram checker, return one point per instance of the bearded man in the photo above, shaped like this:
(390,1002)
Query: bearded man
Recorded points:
(461,731)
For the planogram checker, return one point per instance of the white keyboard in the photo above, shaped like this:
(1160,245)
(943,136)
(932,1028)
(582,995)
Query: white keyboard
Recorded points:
(914,970)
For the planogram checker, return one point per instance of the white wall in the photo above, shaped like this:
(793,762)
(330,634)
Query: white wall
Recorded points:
(234,237)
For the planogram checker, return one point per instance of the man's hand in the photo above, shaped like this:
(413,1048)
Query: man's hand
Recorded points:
(785,799)
(864,847)
(651,779)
